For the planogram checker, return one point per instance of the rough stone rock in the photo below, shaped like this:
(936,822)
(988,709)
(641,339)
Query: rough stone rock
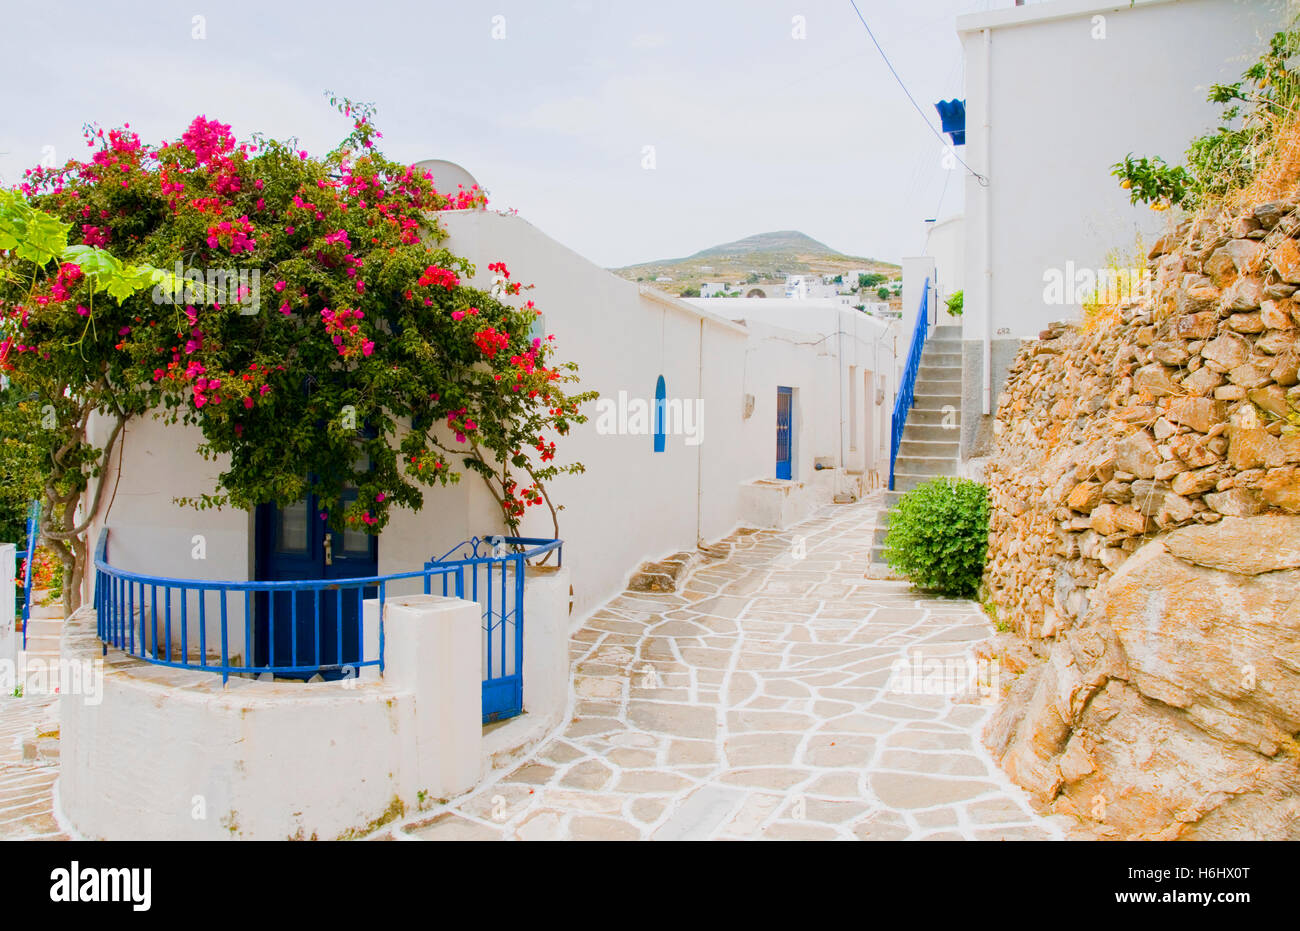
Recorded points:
(1231,259)
(1193,450)
(1285,260)
(1270,398)
(1286,370)
(1111,518)
(1186,749)
(1085,496)
(1199,325)
(1137,454)
(1251,375)
(1277,314)
(1196,482)
(1268,214)
(1242,294)
(1235,502)
(1202,381)
(1228,351)
(1252,447)
(1280,488)
(1233,545)
(1198,413)
(1170,352)
(1247,323)
(1155,380)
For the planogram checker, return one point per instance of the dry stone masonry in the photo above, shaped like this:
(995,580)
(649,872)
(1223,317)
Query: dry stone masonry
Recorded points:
(1144,551)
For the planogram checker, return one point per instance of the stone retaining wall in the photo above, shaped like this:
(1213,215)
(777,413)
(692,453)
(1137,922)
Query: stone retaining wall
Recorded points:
(1157,422)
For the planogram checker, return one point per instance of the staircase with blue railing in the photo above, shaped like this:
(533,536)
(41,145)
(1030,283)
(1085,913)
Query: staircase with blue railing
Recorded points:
(930,440)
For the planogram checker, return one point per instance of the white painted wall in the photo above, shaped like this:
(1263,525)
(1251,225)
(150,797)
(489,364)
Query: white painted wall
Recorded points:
(1058,109)
(917,270)
(632,504)
(169,754)
(946,244)
(10,638)
(840,345)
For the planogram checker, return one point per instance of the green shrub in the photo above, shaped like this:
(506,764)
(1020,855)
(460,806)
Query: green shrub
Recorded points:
(939,534)
(955,303)
(1256,110)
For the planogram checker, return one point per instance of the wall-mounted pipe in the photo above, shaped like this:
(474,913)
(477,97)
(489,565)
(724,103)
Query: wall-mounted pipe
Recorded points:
(988,222)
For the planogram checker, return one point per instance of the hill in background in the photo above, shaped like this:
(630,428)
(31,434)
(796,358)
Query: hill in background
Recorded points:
(764,258)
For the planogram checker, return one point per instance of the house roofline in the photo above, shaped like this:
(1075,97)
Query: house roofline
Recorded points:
(1048,12)
(677,303)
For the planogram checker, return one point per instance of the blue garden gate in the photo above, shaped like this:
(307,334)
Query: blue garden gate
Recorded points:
(491,571)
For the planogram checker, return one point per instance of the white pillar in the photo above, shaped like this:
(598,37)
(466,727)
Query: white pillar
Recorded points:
(546,641)
(433,648)
(9,640)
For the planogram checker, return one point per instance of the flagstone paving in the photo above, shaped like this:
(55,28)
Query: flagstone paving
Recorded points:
(759,702)
(28,768)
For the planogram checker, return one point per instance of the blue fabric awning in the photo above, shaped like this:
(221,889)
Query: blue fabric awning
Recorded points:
(952,116)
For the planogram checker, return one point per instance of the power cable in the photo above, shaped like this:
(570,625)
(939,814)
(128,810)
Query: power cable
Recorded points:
(984,182)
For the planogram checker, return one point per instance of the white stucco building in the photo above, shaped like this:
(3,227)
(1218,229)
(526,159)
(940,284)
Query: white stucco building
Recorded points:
(772,407)
(1056,93)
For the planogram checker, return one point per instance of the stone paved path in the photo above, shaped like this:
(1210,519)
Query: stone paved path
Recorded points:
(27,779)
(758,702)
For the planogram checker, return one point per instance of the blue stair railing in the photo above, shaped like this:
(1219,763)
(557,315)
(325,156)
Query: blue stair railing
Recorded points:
(26,558)
(907,384)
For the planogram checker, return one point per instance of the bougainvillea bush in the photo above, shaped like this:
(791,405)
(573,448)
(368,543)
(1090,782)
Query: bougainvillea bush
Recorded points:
(339,346)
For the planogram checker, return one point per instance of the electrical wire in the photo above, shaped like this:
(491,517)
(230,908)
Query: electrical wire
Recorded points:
(984,182)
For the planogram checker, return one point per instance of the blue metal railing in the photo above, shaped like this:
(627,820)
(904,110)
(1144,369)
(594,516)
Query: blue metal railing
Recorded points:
(150,617)
(903,402)
(25,558)
(495,569)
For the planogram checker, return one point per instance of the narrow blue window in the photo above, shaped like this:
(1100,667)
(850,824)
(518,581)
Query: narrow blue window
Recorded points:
(661,396)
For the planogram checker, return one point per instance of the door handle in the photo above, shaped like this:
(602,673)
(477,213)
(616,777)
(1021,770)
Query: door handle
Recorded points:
(329,549)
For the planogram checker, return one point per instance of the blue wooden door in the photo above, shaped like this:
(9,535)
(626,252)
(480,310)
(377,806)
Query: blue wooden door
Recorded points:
(310,630)
(784,431)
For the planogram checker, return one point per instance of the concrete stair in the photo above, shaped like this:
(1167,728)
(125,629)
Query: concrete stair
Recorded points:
(931,438)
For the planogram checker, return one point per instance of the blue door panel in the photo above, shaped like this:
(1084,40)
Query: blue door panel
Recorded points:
(309,629)
(784,431)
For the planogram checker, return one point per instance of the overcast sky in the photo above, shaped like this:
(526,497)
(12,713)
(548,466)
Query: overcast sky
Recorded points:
(753,130)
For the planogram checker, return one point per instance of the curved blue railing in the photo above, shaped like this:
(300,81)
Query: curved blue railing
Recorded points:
(907,384)
(494,566)
(137,614)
